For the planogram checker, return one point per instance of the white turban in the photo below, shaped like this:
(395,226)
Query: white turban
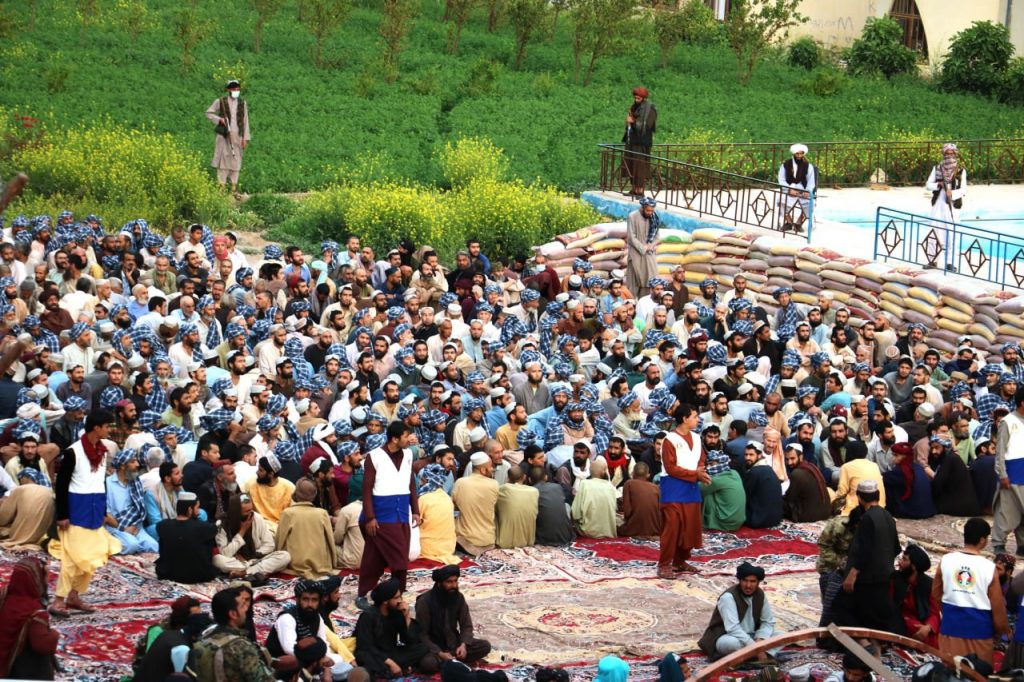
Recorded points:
(797,148)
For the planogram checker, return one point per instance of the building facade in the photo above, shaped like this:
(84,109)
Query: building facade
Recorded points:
(928,25)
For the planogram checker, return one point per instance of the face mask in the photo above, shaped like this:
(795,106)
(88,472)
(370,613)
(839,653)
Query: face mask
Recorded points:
(235,94)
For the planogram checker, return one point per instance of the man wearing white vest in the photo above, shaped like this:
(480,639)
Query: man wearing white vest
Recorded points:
(389,503)
(81,501)
(682,458)
(1008,508)
(973,606)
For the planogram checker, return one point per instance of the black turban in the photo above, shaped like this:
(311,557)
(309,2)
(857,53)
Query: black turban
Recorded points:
(918,558)
(386,590)
(330,584)
(747,569)
(304,586)
(310,651)
(445,572)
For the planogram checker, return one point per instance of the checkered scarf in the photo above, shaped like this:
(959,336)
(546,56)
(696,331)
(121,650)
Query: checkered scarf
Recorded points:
(134,512)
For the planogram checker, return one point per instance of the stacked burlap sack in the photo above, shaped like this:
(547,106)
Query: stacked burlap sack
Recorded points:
(949,308)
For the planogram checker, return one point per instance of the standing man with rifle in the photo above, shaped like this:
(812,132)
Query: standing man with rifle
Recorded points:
(230,117)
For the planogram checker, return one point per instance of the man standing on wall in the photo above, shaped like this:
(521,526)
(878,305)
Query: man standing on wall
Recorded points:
(230,116)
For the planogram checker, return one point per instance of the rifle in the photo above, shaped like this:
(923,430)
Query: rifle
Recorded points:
(13,189)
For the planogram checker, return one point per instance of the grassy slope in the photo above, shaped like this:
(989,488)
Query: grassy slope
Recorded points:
(306,121)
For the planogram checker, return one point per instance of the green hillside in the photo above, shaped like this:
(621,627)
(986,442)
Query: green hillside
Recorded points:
(310,124)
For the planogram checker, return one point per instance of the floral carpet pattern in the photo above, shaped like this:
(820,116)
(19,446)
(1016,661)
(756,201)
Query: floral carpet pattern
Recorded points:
(537,605)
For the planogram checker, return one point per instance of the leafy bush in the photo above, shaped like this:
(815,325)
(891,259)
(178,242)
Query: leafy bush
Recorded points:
(804,52)
(699,26)
(880,50)
(508,217)
(826,82)
(978,59)
(471,159)
(1012,91)
(150,173)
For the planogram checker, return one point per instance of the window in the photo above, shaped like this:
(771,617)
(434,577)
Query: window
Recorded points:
(906,12)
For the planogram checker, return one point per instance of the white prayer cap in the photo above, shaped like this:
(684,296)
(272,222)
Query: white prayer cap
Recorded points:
(135,360)
(479,459)
(477,434)
(321,431)
(428,372)
(29,411)
(257,389)
(797,148)
(454,309)
(170,321)
(231,392)
(34,373)
(577,378)
(497,392)
(41,390)
(302,405)
(510,408)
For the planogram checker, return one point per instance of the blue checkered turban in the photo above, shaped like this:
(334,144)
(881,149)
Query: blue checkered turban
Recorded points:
(242,274)
(217,419)
(626,401)
(818,359)
(122,458)
(798,416)
(448,298)
(346,448)
(781,290)
(77,329)
(804,391)
(267,422)
(110,396)
(759,418)
(73,403)
(529,295)
(433,418)
(35,476)
(716,355)
(273,252)
(750,362)
(376,440)
(582,264)
(525,437)
(553,308)
(276,403)
(791,358)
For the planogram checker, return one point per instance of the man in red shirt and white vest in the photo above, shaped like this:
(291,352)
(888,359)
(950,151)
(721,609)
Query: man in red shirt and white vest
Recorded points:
(682,461)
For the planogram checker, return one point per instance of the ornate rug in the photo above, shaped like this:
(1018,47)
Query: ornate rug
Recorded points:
(538,605)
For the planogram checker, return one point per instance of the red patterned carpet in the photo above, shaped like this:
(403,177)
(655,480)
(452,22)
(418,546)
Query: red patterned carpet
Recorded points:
(537,605)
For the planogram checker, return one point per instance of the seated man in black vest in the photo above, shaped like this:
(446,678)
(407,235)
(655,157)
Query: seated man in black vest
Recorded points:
(742,617)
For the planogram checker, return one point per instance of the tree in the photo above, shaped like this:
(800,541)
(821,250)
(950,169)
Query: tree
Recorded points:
(394,26)
(669,25)
(600,29)
(978,59)
(879,51)
(189,29)
(322,18)
(753,25)
(526,17)
(265,11)
(558,6)
(456,12)
(494,9)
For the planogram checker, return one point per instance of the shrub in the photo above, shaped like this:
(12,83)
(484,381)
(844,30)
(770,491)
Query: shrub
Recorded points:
(804,52)
(826,82)
(978,59)
(880,50)
(699,26)
(507,217)
(472,158)
(510,217)
(1012,91)
(149,173)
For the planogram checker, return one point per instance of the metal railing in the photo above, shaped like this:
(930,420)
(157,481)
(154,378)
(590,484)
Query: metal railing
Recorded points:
(843,164)
(737,198)
(981,254)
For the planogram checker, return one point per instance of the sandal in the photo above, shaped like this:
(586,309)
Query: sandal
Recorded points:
(79,605)
(58,613)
